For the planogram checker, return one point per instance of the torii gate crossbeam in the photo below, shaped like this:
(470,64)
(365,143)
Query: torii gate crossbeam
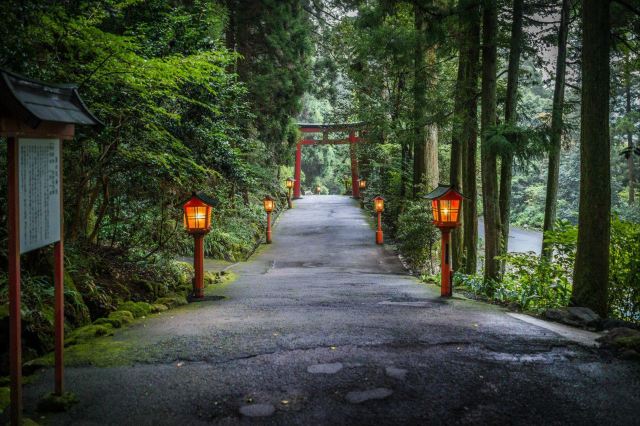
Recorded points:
(325,129)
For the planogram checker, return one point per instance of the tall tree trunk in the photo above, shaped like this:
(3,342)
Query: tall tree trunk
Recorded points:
(510,117)
(470,11)
(431,157)
(488,157)
(556,126)
(419,99)
(627,82)
(591,273)
(455,168)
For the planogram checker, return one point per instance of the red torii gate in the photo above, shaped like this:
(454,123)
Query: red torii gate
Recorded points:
(325,129)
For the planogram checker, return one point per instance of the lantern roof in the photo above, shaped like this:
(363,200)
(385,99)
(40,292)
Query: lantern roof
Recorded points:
(201,196)
(379,197)
(34,102)
(269,197)
(443,190)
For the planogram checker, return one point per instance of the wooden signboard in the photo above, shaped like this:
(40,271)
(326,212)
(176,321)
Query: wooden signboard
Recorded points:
(39,192)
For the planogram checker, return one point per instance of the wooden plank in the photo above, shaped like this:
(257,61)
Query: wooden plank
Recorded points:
(15,321)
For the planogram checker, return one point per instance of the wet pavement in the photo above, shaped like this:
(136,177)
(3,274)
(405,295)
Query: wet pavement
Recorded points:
(325,327)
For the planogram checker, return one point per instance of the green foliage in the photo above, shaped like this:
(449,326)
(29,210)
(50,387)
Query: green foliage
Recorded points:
(137,309)
(536,283)
(87,333)
(624,270)
(172,300)
(416,236)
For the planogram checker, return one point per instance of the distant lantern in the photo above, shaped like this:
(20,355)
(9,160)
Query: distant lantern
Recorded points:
(362,183)
(446,202)
(290,182)
(378,204)
(197,215)
(268,204)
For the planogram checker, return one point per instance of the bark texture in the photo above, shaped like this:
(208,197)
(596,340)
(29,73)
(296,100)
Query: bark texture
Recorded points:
(591,273)
(510,117)
(487,155)
(471,16)
(556,126)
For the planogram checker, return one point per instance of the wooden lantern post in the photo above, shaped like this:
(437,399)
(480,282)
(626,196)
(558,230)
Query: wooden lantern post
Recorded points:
(378,206)
(290,183)
(35,118)
(269,204)
(446,203)
(197,222)
(362,185)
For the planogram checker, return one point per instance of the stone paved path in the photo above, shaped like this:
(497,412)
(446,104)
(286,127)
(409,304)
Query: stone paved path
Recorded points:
(324,327)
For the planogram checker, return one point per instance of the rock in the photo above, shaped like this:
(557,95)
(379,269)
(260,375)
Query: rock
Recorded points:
(117,319)
(325,368)
(396,373)
(584,315)
(609,323)
(159,307)
(88,332)
(357,397)
(257,410)
(53,403)
(623,340)
(575,316)
(138,309)
(172,301)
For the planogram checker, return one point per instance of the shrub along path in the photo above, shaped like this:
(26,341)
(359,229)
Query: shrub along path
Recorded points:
(325,327)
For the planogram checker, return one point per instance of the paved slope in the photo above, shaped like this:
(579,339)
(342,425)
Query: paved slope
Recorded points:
(324,327)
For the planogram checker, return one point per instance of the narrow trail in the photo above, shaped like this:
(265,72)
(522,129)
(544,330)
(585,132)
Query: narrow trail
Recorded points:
(325,327)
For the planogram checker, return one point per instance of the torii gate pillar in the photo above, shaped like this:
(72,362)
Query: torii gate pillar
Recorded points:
(296,184)
(355,188)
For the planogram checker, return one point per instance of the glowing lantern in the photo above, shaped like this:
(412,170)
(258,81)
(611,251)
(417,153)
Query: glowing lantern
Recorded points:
(197,215)
(362,183)
(378,204)
(290,182)
(268,204)
(445,204)
(197,222)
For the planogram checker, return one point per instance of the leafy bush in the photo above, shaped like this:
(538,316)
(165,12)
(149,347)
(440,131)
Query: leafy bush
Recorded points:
(417,236)
(624,270)
(536,283)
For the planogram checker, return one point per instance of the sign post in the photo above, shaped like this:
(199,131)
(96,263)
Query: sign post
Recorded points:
(35,117)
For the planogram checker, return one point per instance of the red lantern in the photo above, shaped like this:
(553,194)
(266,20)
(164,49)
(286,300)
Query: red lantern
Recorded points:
(196,215)
(197,222)
(446,202)
(378,205)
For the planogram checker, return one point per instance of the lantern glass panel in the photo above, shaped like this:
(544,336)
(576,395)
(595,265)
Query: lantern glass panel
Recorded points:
(446,211)
(434,209)
(362,183)
(268,205)
(379,205)
(289,183)
(197,218)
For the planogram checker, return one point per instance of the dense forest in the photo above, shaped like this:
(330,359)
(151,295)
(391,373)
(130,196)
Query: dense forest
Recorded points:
(530,108)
